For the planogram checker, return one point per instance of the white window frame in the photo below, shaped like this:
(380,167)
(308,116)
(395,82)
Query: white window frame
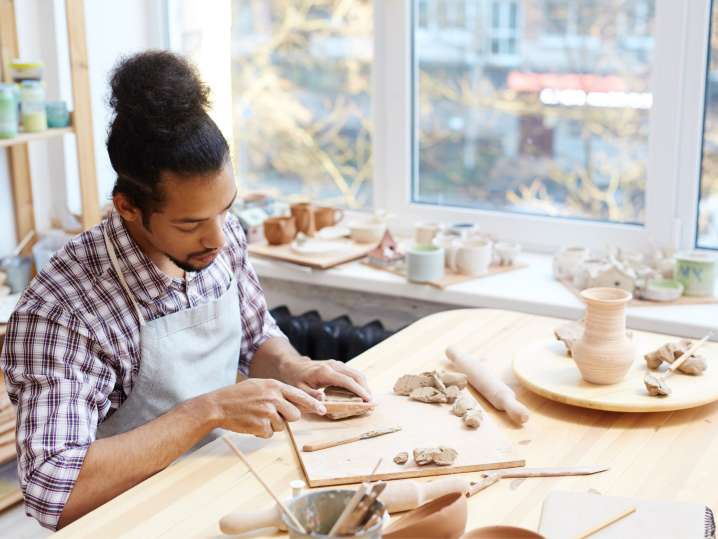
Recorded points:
(674,152)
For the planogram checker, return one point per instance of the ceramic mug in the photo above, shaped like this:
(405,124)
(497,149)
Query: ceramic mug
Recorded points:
(303,213)
(424,233)
(424,263)
(279,230)
(450,243)
(326,216)
(696,271)
(463,230)
(473,257)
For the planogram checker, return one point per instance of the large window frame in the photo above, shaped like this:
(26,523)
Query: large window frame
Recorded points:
(674,151)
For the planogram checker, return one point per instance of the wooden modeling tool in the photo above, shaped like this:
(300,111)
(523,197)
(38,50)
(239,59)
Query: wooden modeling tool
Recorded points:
(656,385)
(488,385)
(364,436)
(606,524)
(489,478)
(280,503)
(23,243)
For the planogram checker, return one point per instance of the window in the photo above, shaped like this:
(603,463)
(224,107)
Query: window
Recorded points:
(708,205)
(533,129)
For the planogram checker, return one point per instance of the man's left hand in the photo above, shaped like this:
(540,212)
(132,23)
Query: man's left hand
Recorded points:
(311,376)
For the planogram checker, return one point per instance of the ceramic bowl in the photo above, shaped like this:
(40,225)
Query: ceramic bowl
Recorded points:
(662,290)
(367,231)
(441,518)
(501,532)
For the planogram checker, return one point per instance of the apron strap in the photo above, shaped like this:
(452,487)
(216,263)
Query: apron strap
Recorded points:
(116,264)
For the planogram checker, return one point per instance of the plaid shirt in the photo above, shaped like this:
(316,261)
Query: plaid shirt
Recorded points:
(72,349)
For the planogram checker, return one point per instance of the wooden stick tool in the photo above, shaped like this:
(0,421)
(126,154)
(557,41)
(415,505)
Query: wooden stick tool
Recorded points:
(280,503)
(364,436)
(656,386)
(606,524)
(489,478)
(351,507)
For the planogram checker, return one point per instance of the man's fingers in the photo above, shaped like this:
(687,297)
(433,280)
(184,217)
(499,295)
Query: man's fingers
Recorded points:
(357,376)
(316,393)
(288,411)
(303,400)
(277,422)
(342,380)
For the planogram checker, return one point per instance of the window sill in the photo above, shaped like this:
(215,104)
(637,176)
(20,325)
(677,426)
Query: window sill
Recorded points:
(531,290)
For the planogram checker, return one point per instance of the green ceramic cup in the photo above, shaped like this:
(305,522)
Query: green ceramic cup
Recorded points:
(696,270)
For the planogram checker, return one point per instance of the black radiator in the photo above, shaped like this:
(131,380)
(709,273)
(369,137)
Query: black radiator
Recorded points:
(336,339)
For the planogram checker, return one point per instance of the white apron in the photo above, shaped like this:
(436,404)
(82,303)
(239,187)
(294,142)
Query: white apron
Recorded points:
(183,355)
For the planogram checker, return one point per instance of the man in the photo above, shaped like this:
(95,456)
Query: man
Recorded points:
(123,354)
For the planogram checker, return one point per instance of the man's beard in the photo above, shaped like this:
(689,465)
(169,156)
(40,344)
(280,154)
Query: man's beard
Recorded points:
(184,265)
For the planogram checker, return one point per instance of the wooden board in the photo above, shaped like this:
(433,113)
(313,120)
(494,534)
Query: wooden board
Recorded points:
(284,252)
(565,515)
(635,302)
(451,277)
(544,367)
(423,425)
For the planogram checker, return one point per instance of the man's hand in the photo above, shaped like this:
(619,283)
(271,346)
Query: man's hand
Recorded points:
(259,407)
(312,375)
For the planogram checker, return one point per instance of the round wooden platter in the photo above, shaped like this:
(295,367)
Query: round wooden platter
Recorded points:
(545,368)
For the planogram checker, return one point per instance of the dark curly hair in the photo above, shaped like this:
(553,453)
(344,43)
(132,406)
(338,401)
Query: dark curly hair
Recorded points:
(160,124)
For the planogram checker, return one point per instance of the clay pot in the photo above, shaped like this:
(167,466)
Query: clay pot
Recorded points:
(501,532)
(441,518)
(324,217)
(279,230)
(303,213)
(604,354)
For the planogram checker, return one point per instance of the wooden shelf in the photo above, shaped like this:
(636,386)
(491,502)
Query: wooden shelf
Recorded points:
(24,138)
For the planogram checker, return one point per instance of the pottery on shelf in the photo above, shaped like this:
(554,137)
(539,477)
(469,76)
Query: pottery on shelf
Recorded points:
(279,230)
(303,213)
(604,273)
(441,518)
(567,260)
(604,354)
(370,231)
(662,290)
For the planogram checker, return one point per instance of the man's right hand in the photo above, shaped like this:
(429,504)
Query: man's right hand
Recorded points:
(259,406)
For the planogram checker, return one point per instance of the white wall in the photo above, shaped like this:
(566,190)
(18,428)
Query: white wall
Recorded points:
(113,29)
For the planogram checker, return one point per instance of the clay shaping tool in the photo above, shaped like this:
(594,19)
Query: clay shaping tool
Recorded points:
(656,386)
(606,524)
(280,503)
(488,385)
(364,436)
(489,478)
(352,505)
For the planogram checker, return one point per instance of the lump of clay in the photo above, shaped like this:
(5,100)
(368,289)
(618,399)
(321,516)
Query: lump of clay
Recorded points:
(473,418)
(442,456)
(409,382)
(343,410)
(457,379)
(401,458)
(427,394)
(569,334)
(671,351)
(656,387)
(462,405)
(452,393)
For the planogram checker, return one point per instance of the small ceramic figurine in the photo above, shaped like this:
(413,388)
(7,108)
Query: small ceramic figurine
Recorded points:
(609,273)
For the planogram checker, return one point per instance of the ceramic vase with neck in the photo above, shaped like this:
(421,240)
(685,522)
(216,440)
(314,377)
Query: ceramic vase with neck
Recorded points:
(604,354)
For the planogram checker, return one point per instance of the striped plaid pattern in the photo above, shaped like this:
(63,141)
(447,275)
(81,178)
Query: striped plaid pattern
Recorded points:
(72,349)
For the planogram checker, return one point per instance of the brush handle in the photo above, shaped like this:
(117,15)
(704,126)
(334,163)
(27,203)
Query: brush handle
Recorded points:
(308,448)
(489,385)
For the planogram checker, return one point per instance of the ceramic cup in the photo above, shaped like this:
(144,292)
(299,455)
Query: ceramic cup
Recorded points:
(424,263)
(450,243)
(567,260)
(696,270)
(472,257)
(463,230)
(424,233)
(279,230)
(303,213)
(325,217)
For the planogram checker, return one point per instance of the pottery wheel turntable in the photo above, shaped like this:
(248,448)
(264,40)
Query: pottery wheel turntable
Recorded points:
(545,368)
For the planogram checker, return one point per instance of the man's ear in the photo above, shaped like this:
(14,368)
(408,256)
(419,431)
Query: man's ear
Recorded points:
(128,211)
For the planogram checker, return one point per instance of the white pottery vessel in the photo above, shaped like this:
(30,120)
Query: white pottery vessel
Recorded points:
(567,260)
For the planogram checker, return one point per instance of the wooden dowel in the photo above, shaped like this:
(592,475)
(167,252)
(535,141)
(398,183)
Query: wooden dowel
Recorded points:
(280,503)
(607,523)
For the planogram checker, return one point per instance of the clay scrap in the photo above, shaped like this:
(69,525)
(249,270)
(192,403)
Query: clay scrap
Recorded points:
(401,458)
(462,405)
(342,404)
(473,418)
(569,334)
(428,394)
(671,351)
(441,456)
(409,382)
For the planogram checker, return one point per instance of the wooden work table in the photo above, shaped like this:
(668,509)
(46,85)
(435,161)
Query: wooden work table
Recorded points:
(656,455)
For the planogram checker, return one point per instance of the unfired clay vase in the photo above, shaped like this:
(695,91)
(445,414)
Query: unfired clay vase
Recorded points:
(441,518)
(279,230)
(501,532)
(604,354)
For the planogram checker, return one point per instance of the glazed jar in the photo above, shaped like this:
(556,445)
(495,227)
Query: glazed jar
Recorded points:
(604,354)
(32,106)
(8,111)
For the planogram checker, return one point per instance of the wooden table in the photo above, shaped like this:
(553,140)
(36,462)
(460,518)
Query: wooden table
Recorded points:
(660,455)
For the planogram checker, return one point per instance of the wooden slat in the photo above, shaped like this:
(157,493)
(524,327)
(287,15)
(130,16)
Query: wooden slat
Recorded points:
(24,138)
(19,157)
(82,116)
